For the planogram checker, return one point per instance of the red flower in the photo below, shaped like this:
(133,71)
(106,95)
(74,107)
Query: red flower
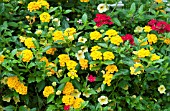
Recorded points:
(66,107)
(102,19)
(128,37)
(91,78)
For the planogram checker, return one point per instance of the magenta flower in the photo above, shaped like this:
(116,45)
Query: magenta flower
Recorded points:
(91,78)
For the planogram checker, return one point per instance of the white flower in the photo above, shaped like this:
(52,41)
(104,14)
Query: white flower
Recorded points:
(58,92)
(56,21)
(103,100)
(76,93)
(84,48)
(81,39)
(86,94)
(80,55)
(80,21)
(162,89)
(102,8)
(54,84)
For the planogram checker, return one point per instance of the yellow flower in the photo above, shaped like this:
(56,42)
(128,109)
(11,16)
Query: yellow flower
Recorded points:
(84,0)
(45,17)
(111,68)
(147,28)
(38,32)
(63,59)
(152,38)
(68,99)
(58,35)
(51,51)
(44,3)
(143,53)
(69,31)
(20,88)
(133,69)
(72,74)
(111,33)
(7,99)
(71,64)
(158,1)
(29,43)
(45,60)
(48,90)
(26,55)
(162,89)
(95,35)
(108,55)
(2,58)
(83,63)
(116,40)
(33,6)
(95,48)
(154,57)
(68,89)
(96,55)
(12,81)
(107,78)
(22,39)
(77,103)
(167,41)
(142,43)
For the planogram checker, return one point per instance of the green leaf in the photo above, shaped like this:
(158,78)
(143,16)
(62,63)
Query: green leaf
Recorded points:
(31,65)
(140,10)
(65,79)
(9,108)
(2,8)
(40,85)
(33,109)
(77,84)
(52,9)
(91,91)
(46,48)
(22,108)
(53,79)
(36,43)
(13,52)
(103,87)
(51,108)
(108,62)
(67,11)
(84,18)
(50,98)
(13,24)
(84,104)
(64,24)
(38,79)
(103,45)
(61,87)
(116,21)
(132,8)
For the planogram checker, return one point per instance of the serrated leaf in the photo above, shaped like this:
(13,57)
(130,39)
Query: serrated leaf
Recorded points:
(65,79)
(50,98)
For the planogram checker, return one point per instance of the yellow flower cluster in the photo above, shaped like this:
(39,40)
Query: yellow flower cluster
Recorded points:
(95,48)
(33,6)
(83,64)
(167,41)
(71,65)
(68,89)
(48,90)
(26,55)
(63,59)
(29,43)
(95,35)
(147,29)
(111,68)
(96,55)
(58,35)
(45,17)
(108,55)
(154,57)
(84,0)
(143,53)
(133,69)
(51,51)
(2,58)
(72,73)
(13,82)
(111,33)
(69,31)
(152,38)
(158,1)
(77,103)
(142,43)
(116,40)
(45,60)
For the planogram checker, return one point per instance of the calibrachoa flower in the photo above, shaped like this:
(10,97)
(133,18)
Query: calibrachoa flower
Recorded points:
(77,103)
(91,78)
(102,19)
(154,57)
(108,55)
(83,63)
(69,31)
(162,89)
(152,38)
(84,48)
(103,100)
(26,55)
(76,93)
(80,55)
(102,8)
(48,90)
(116,40)
(111,33)
(147,28)
(2,58)
(63,59)
(58,35)
(68,89)
(138,29)
(71,64)
(95,35)
(45,17)
(96,55)
(82,39)
(143,53)
(111,68)
(68,99)
(29,43)
(128,37)
(72,73)
(51,51)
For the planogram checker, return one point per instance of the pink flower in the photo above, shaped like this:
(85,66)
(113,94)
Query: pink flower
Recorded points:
(91,78)
(128,37)
(102,19)
(66,107)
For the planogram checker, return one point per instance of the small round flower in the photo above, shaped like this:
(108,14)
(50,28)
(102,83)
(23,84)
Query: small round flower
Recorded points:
(72,74)
(26,55)
(67,107)
(154,57)
(143,53)
(116,40)
(96,55)
(111,33)
(108,55)
(45,17)
(48,90)
(103,100)
(95,48)
(162,89)
(152,38)
(147,28)
(95,35)
(138,29)
(58,92)
(102,8)
(91,78)
(33,6)
(77,103)
(29,43)
(84,48)
(54,84)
